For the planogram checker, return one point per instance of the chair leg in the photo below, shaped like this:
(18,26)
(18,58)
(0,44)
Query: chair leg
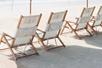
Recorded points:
(88,32)
(1,39)
(63,28)
(73,30)
(77,34)
(12,52)
(41,40)
(91,27)
(35,51)
(45,47)
(61,42)
(101,24)
(10,48)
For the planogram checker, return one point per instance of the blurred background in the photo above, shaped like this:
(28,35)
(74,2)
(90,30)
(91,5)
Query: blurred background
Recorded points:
(10,10)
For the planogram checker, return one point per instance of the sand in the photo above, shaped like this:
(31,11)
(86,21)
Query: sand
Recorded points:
(84,53)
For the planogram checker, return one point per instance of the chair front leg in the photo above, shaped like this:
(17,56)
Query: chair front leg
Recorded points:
(77,34)
(91,28)
(63,28)
(42,41)
(74,30)
(88,32)
(33,47)
(9,46)
(45,47)
(1,39)
(61,42)
(101,24)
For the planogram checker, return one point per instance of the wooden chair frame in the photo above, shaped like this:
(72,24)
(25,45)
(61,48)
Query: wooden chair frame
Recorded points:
(93,21)
(4,39)
(77,23)
(42,39)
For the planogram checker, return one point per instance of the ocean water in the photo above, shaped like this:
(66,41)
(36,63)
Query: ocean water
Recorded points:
(10,10)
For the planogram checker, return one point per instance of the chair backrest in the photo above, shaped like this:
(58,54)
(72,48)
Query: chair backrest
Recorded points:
(85,17)
(87,12)
(98,17)
(100,11)
(26,29)
(55,23)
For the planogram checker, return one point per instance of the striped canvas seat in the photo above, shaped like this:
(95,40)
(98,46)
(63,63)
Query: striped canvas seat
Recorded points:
(85,17)
(87,12)
(83,22)
(26,29)
(24,35)
(98,19)
(54,25)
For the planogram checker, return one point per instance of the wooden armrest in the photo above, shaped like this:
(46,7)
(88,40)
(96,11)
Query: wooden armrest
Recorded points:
(4,35)
(8,35)
(77,18)
(42,34)
(90,23)
(41,31)
(92,20)
(93,17)
(71,22)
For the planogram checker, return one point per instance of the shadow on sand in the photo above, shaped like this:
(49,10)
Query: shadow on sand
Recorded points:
(69,57)
(95,40)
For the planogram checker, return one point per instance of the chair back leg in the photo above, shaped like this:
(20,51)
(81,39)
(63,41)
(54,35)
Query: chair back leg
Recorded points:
(61,42)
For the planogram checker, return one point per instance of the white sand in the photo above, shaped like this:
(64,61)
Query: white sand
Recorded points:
(85,53)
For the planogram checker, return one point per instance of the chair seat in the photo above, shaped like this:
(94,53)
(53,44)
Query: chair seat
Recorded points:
(98,20)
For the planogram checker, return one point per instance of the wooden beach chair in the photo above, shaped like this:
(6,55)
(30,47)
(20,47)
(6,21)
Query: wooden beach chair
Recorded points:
(81,22)
(96,20)
(26,30)
(53,29)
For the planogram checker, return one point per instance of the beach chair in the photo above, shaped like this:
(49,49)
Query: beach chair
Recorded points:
(96,20)
(81,22)
(24,36)
(52,30)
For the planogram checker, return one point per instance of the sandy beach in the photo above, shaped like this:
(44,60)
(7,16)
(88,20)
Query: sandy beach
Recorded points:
(84,53)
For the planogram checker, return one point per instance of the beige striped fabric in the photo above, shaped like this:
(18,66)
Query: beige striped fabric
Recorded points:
(100,11)
(57,17)
(87,11)
(26,29)
(29,21)
(86,16)
(98,19)
(83,21)
(55,24)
